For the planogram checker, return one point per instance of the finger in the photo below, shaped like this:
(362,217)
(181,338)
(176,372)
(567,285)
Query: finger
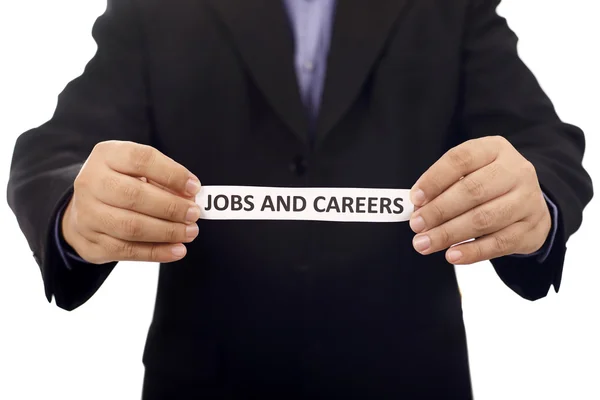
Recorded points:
(111,249)
(476,188)
(482,220)
(133,194)
(144,161)
(456,163)
(498,244)
(166,189)
(131,226)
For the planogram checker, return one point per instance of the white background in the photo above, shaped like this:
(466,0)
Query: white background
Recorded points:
(549,349)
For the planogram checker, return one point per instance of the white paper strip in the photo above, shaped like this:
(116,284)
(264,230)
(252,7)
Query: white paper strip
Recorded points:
(301,203)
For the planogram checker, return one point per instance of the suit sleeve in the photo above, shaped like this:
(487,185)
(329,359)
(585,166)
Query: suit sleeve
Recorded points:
(109,101)
(501,96)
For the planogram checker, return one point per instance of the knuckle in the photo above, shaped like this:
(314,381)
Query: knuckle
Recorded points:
(107,247)
(477,251)
(132,195)
(101,146)
(119,148)
(88,234)
(501,140)
(437,213)
(107,221)
(171,177)
(460,158)
(530,224)
(118,250)
(483,220)
(128,250)
(81,181)
(154,252)
(496,169)
(504,243)
(141,157)
(109,183)
(473,187)
(132,228)
(445,236)
(172,210)
(528,169)
(507,211)
(434,184)
(172,233)
(534,220)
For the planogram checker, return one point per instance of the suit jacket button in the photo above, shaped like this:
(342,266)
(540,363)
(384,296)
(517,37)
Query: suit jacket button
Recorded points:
(298,165)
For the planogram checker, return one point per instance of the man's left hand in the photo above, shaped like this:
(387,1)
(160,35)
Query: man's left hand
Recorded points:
(483,189)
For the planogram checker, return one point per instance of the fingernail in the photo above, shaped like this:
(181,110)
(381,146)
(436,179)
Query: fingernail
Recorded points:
(191,231)
(417,224)
(421,243)
(193,214)
(417,197)
(454,255)
(178,250)
(192,186)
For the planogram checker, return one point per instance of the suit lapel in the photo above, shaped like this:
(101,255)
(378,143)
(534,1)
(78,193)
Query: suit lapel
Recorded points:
(262,34)
(359,34)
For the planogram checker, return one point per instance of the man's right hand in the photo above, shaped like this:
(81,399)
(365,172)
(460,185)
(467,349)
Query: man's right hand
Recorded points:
(131,202)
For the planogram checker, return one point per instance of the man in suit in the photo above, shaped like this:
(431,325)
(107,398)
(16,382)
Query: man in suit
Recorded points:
(426,95)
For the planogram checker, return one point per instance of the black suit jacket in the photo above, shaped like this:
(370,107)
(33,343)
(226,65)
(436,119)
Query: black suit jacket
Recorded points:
(308,308)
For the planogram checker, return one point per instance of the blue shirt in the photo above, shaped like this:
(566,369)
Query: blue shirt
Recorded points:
(312,23)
